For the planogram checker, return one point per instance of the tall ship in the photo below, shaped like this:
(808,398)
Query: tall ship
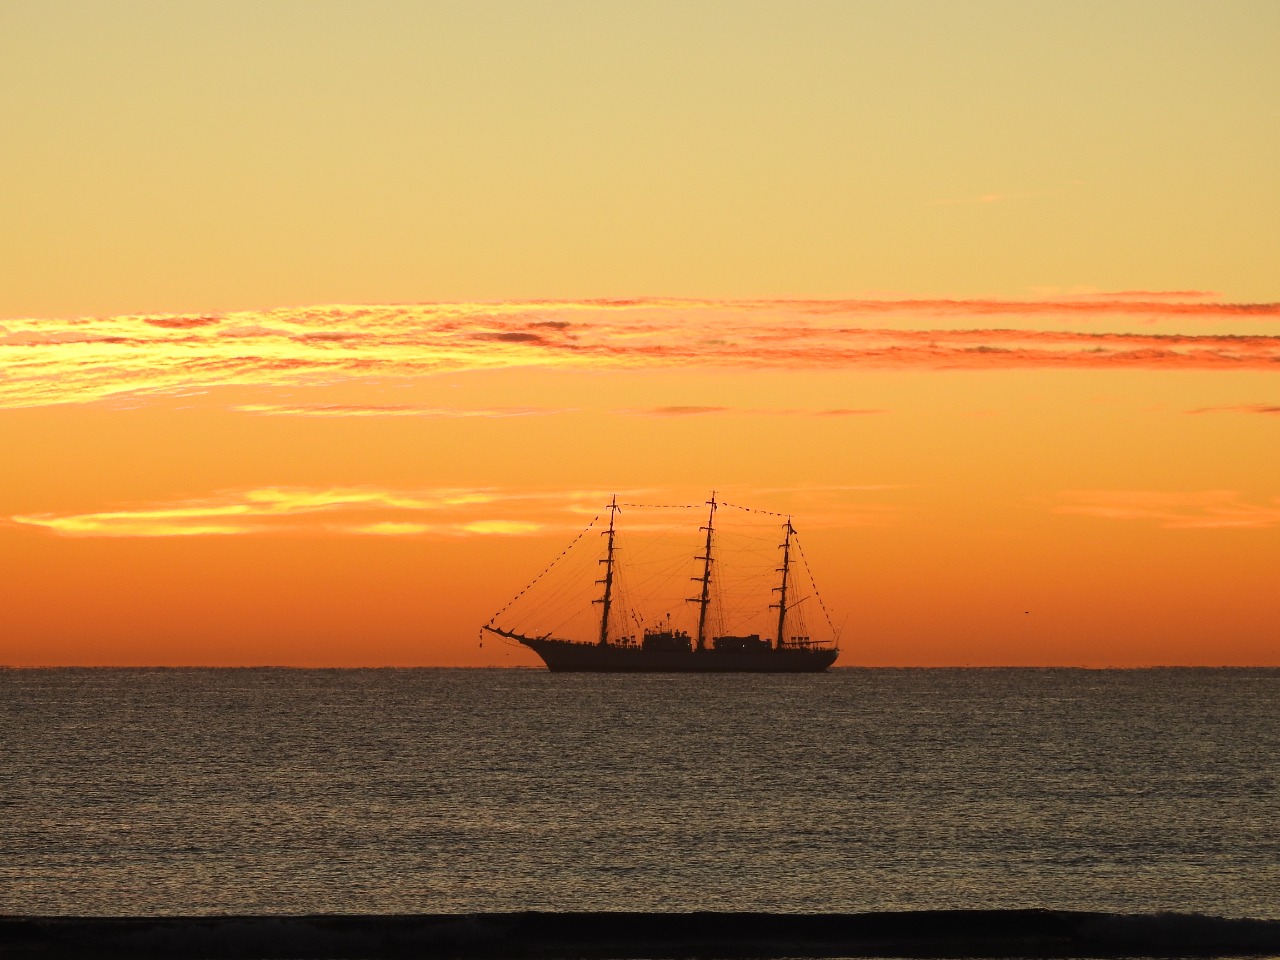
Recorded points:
(618,638)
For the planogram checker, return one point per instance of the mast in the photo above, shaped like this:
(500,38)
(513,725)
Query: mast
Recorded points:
(705,579)
(781,590)
(607,599)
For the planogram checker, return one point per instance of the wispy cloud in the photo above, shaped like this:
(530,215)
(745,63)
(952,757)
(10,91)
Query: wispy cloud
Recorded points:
(389,528)
(340,510)
(1138,295)
(1262,408)
(1123,303)
(678,411)
(695,411)
(985,198)
(91,359)
(390,410)
(1202,509)
(433,512)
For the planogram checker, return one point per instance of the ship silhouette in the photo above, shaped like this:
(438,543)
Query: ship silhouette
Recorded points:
(664,648)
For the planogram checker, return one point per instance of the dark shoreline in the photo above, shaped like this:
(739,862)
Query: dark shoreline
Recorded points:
(596,936)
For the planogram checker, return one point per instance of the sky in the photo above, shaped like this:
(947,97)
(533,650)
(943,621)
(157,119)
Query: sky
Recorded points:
(325,326)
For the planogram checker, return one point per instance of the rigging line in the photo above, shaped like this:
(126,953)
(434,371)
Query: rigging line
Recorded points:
(813,583)
(660,506)
(545,570)
(562,597)
(738,506)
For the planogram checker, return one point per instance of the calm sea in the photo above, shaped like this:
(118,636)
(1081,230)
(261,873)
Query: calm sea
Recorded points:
(299,791)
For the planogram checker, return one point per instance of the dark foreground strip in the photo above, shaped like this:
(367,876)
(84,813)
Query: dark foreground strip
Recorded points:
(595,936)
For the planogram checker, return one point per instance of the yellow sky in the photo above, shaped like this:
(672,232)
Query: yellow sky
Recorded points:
(214,156)
(323,326)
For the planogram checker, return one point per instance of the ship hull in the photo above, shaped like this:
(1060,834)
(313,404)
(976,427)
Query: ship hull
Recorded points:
(566,656)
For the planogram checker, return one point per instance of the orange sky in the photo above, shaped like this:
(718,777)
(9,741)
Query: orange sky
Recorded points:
(324,328)
(1076,482)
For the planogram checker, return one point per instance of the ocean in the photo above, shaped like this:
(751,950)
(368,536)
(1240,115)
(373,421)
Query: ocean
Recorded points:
(283,791)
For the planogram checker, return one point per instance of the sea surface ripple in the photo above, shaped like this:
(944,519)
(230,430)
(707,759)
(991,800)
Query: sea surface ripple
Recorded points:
(164,792)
